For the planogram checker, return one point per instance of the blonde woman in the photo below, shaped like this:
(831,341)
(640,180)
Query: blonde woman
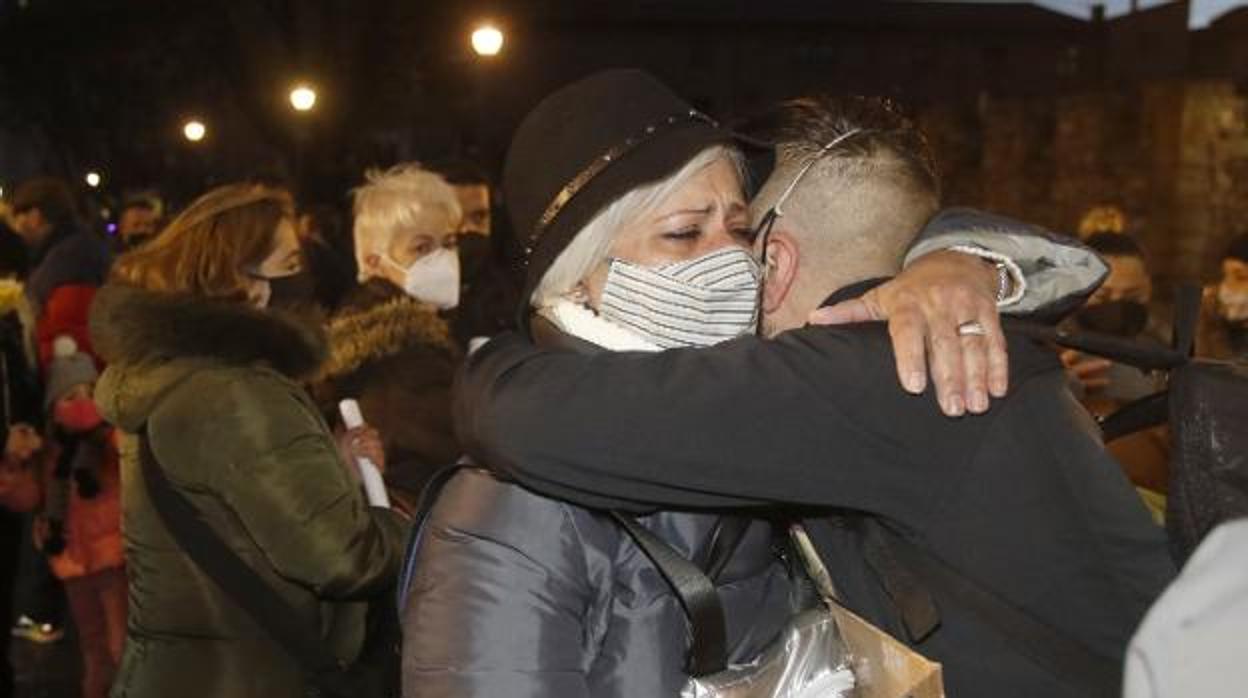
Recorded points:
(390,347)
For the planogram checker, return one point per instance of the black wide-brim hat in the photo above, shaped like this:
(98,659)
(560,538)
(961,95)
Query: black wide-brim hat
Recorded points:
(590,143)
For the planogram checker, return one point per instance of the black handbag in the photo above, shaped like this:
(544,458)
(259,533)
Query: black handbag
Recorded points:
(375,674)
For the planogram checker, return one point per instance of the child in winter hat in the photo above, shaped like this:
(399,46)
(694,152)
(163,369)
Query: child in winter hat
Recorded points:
(82,514)
(71,374)
(74,417)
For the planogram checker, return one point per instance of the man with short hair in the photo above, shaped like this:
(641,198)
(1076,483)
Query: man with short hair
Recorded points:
(1120,307)
(1224,321)
(68,262)
(472,188)
(488,293)
(139,219)
(1008,545)
(1129,278)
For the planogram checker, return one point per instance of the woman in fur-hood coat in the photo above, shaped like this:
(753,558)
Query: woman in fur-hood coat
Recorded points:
(212,383)
(394,355)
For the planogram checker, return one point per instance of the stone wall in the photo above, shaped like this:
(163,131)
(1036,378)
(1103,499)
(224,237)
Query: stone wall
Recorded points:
(1173,155)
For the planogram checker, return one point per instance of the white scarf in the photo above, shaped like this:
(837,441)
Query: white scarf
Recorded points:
(582,322)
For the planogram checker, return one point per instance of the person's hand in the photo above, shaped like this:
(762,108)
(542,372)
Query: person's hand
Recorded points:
(1089,371)
(925,306)
(362,442)
(23,442)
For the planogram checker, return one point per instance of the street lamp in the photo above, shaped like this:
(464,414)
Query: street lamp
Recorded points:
(302,98)
(487,40)
(93,179)
(194,130)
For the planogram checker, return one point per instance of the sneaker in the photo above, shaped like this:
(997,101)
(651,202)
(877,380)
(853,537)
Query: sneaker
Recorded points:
(41,633)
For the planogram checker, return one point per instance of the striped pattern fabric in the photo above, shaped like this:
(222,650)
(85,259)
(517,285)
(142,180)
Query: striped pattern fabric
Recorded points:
(694,303)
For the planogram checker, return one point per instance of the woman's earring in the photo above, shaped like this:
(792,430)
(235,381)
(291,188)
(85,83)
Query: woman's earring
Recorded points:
(579,293)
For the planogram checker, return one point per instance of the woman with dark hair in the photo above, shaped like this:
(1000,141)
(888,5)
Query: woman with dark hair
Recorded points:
(209,379)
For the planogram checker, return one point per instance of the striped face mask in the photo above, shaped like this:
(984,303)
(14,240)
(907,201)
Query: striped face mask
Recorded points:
(695,303)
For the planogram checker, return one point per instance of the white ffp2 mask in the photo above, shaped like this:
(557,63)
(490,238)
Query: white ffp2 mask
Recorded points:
(433,278)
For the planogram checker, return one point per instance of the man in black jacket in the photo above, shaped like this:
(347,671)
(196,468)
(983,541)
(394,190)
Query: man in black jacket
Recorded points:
(68,262)
(1008,546)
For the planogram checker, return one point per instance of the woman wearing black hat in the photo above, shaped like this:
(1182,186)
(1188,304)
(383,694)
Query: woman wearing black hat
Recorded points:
(517,594)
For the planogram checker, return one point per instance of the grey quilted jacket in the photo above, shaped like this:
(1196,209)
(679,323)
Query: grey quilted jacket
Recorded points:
(517,595)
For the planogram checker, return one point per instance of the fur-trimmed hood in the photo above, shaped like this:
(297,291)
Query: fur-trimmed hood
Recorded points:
(150,341)
(133,326)
(382,325)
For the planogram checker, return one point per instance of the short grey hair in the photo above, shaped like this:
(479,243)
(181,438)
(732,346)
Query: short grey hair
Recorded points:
(390,200)
(592,244)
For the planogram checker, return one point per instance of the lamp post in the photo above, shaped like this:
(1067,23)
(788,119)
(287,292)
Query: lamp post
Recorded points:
(487,40)
(194,130)
(302,98)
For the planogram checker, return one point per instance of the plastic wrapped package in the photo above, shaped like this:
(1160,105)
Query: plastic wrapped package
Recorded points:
(825,652)
(808,661)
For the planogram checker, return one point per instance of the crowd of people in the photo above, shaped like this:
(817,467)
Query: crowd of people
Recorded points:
(721,352)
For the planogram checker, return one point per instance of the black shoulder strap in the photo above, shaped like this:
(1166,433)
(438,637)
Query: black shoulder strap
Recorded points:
(694,588)
(1146,412)
(1061,654)
(708,652)
(1187,302)
(725,539)
(237,579)
(1142,355)
(1139,354)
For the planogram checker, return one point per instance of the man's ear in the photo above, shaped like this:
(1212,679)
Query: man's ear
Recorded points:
(780,260)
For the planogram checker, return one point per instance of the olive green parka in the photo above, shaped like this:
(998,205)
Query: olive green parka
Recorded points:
(214,386)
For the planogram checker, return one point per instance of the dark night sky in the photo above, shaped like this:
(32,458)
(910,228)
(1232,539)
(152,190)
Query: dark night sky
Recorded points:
(106,84)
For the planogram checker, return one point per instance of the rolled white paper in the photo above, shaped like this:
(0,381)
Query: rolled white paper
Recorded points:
(370,474)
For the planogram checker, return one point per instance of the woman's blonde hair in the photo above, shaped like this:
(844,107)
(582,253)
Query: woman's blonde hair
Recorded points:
(392,199)
(593,243)
(207,248)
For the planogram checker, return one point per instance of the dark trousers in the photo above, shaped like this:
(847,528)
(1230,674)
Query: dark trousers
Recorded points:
(39,594)
(10,546)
